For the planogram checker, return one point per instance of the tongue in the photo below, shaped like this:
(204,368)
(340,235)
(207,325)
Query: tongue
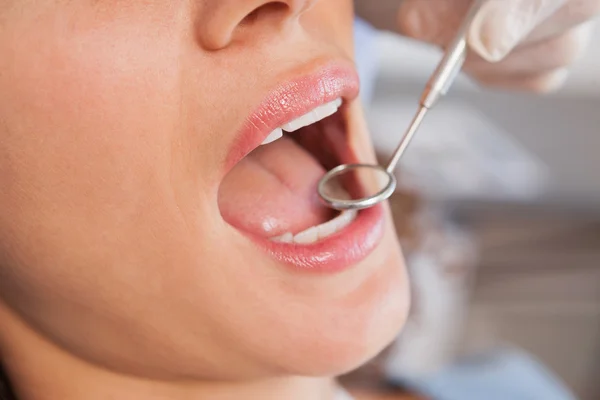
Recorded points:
(273,191)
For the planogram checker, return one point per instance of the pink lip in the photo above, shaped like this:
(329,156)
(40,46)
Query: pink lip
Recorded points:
(287,102)
(335,253)
(293,99)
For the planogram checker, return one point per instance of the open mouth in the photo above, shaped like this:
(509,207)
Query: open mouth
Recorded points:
(270,193)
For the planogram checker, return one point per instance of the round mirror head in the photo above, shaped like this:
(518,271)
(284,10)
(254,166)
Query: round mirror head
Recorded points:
(356,186)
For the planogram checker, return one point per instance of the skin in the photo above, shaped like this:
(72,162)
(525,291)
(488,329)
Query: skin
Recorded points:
(113,278)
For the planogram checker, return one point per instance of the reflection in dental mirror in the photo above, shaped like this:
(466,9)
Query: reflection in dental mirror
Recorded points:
(356,186)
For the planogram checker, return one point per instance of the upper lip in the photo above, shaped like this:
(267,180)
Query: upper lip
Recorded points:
(292,99)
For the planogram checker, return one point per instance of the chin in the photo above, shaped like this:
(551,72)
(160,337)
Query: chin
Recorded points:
(344,334)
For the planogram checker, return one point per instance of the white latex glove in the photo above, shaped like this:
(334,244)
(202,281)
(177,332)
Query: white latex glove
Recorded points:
(518,44)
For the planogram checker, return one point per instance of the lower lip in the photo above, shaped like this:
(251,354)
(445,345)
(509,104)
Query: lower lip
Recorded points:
(335,253)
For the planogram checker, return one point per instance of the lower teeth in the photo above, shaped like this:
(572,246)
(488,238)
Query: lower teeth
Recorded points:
(319,232)
(325,230)
(316,233)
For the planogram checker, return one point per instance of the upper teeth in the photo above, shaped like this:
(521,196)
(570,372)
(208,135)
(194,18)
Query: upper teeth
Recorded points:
(310,118)
(276,134)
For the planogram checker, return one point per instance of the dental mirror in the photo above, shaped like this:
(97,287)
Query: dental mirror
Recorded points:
(373,184)
(371,181)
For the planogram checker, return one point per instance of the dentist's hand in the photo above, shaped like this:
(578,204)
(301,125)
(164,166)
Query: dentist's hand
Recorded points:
(518,44)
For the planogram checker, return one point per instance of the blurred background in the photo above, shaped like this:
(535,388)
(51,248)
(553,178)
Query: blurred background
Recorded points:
(499,217)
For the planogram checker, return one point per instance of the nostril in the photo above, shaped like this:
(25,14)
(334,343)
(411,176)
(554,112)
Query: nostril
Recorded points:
(274,9)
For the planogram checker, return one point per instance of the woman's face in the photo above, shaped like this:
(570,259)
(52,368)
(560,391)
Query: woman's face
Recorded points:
(143,226)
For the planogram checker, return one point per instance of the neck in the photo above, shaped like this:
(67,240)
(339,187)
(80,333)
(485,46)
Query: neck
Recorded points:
(39,370)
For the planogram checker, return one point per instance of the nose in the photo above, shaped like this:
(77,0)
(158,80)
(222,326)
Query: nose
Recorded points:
(220,22)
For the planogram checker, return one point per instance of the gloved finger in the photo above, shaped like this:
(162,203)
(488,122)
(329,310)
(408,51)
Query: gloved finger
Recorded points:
(501,25)
(545,55)
(543,82)
(573,13)
(436,21)
(431,21)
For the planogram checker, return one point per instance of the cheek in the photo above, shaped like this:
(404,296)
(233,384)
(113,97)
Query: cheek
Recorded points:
(86,103)
(89,122)
(90,164)
(86,119)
